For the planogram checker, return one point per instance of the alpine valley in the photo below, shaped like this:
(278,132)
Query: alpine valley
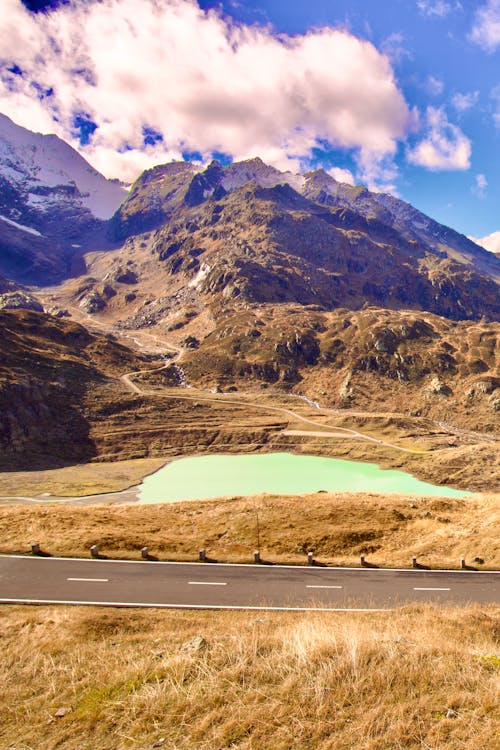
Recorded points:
(238,308)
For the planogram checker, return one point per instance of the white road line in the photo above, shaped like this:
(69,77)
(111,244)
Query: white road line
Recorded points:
(249,565)
(324,587)
(417,588)
(104,580)
(206,583)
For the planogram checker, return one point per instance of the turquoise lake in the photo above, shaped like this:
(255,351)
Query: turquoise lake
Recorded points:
(202,477)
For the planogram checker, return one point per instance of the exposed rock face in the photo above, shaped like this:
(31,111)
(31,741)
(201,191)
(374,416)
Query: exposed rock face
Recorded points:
(19,301)
(372,359)
(48,368)
(437,387)
(271,245)
(250,233)
(6,285)
(152,199)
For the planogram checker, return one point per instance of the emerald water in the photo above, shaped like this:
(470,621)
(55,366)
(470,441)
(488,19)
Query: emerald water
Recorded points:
(201,477)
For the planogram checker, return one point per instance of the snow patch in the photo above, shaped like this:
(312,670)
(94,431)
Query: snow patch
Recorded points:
(23,227)
(202,274)
(254,170)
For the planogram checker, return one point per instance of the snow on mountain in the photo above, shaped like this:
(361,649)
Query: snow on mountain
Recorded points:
(23,227)
(256,171)
(44,170)
(491,242)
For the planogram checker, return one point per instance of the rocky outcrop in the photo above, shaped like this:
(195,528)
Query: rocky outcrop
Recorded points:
(41,426)
(19,301)
(51,372)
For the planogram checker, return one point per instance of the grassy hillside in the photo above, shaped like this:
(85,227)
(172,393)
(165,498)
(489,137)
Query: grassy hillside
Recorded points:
(337,527)
(81,678)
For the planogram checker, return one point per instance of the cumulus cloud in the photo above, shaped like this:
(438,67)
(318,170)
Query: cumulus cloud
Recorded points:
(486,27)
(200,81)
(464,102)
(378,172)
(396,47)
(480,186)
(341,175)
(434,85)
(444,146)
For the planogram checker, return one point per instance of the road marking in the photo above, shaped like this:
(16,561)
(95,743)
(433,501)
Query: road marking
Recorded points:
(206,583)
(104,580)
(417,588)
(324,587)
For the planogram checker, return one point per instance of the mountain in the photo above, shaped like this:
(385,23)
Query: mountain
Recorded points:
(52,202)
(491,242)
(252,233)
(262,280)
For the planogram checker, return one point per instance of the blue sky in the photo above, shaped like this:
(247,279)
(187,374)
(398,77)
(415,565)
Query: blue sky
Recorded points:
(436,63)
(403,96)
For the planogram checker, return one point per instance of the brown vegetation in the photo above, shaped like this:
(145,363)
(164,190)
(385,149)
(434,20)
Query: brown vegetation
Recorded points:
(82,479)
(412,363)
(336,527)
(420,677)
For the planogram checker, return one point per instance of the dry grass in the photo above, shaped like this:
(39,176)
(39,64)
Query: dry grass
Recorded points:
(415,678)
(82,479)
(337,527)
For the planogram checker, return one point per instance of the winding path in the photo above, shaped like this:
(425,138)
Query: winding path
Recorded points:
(326,429)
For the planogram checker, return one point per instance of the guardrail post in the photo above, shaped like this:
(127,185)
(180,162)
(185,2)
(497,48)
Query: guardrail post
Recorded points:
(256,556)
(414,562)
(35,548)
(202,555)
(145,553)
(94,551)
(462,564)
(362,559)
(310,558)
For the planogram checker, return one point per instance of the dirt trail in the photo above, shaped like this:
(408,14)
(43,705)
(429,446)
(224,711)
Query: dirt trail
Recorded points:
(326,429)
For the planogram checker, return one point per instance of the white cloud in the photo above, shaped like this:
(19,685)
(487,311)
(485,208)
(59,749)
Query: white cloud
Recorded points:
(437,8)
(341,175)
(463,102)
(480,186)
(486,28)
(203,82)
(444,146)
(396,47)
(491,242)
(378,171)
(434,85)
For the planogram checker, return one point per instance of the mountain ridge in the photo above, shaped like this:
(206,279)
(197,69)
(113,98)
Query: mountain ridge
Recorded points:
(53,204)
(341,247)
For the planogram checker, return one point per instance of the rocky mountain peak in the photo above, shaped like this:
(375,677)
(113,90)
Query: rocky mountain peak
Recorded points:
(205,184)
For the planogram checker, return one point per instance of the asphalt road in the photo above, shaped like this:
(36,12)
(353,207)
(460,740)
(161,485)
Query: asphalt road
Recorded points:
(216,586)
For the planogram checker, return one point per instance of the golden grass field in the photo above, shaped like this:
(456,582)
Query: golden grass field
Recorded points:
(413,679)
(84,479)
(337,527)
